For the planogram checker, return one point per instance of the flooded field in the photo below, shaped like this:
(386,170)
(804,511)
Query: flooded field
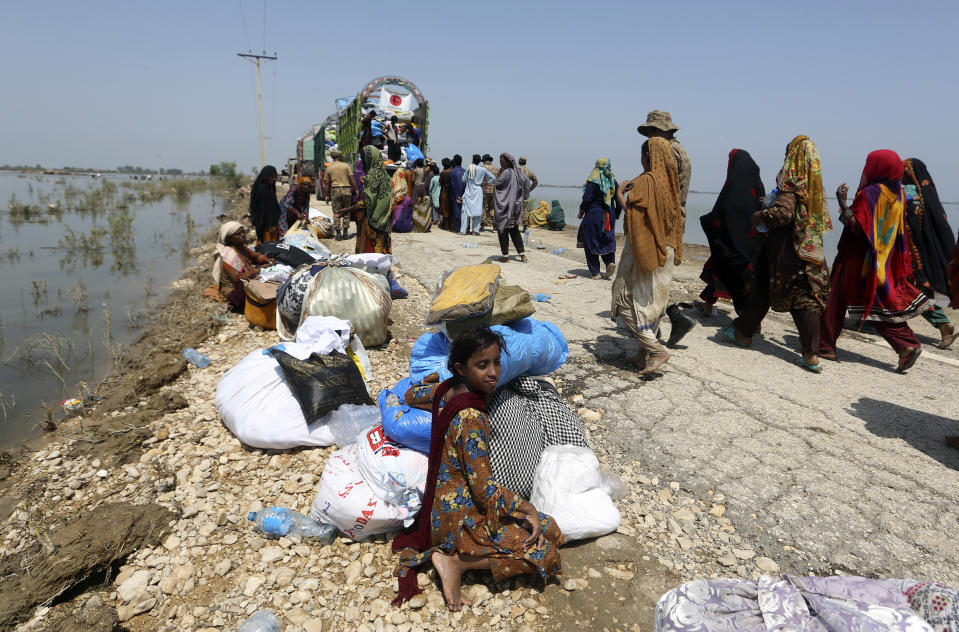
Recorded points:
(84,261)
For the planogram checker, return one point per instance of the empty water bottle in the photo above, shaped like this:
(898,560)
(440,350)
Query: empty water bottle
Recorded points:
(261,621)
(543,298)
(526,236)
(559,251)
(279,521)
(349,420)
(195,357)
(467,244)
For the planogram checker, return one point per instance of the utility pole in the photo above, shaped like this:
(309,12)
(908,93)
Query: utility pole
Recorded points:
(259,97)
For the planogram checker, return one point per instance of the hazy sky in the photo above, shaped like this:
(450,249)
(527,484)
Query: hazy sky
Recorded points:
(159,84)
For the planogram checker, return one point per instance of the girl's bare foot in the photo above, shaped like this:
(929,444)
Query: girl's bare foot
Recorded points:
(450,570)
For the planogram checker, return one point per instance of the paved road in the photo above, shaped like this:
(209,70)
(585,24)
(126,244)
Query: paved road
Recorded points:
(845,471)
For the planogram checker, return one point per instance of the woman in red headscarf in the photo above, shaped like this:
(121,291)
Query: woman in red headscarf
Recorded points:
(870,274)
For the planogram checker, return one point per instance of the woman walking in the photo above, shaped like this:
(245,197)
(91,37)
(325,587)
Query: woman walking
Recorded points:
(510,190)
(791,272)
(733,244)
(468,520)
(931,242)
(374,227)
(264,209)
(598,213)
(654,244)
(871,270)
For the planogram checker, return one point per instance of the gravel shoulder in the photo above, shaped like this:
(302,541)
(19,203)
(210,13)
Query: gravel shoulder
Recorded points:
(737,463)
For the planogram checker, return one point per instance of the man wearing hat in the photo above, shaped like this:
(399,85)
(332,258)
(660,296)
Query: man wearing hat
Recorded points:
(339,193)
(660,123)
(532,185)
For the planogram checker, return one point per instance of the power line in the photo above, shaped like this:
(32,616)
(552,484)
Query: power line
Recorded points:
(246,32)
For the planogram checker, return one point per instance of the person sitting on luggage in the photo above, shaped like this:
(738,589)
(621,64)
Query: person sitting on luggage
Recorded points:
(235,262)
(469,520)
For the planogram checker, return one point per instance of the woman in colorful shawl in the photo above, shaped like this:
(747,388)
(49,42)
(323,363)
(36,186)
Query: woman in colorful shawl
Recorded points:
(374,225)
(733,244)
(264,209)
(509,191)
(295,205)
(931,242)
(401,213)
(791,274)
(234,262)
(872,267)
(654,244)
(598,213)
(468,519)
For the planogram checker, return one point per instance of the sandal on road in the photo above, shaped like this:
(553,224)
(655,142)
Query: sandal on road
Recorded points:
(812,368)
(906,362)
(728,334)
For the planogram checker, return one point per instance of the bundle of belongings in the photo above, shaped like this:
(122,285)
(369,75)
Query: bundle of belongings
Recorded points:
(292,394)
(809,604)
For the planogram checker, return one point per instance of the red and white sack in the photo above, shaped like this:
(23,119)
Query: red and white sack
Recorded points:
(345,500)
(396,474)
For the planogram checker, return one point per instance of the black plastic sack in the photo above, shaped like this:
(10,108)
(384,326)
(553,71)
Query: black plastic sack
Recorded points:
(285,253)
(321,384)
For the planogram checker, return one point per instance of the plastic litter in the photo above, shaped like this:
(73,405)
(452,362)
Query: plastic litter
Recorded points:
(526,236)
(569,486)
(559,251)
(70,405)
(196,358)
(279,521)
(613,484)
(396,474)
(468,244)
(543,298)
(262,621)
(348,421)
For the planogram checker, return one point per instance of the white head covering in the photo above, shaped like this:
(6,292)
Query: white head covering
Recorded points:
(227,230)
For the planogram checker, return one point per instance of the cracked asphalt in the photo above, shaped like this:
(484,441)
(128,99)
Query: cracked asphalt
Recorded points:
(842,472)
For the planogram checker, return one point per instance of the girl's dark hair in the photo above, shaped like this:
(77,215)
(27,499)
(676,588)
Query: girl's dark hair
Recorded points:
(469,342)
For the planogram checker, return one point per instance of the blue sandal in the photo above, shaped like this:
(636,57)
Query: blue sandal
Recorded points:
(728,334)
(812,368)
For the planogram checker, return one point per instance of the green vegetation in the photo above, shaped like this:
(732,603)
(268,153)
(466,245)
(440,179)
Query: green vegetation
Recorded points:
(227,171)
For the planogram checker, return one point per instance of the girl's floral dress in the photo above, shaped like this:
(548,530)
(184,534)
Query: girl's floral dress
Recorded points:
(474,515)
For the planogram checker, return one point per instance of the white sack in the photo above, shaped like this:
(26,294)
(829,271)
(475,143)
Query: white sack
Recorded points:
(257,406)
(568,486)
(345,500)
(396,474)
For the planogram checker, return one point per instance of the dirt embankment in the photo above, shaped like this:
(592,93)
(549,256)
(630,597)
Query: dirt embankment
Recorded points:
(59,555)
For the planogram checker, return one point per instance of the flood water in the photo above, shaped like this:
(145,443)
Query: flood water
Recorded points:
(80,276)
(698,204)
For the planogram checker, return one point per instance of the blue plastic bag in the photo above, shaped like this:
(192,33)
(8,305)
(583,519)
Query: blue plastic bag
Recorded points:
(404,424)
(533,347)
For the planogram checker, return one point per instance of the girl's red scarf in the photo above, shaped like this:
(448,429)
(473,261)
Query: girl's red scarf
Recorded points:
(419,537)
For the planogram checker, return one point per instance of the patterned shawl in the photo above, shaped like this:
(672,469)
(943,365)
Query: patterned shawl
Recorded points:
(602,174)
(377,192)
(654,216)
(878,210)
(801,174)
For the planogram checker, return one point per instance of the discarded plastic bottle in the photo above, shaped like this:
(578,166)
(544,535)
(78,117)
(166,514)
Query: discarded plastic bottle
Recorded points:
(467,244)
(526,236)
(261,621)
(559,251)
(543,298)
(279,521)
(195,357)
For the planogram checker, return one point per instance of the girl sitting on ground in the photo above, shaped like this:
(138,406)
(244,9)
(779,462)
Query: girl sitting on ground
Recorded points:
(475,522)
